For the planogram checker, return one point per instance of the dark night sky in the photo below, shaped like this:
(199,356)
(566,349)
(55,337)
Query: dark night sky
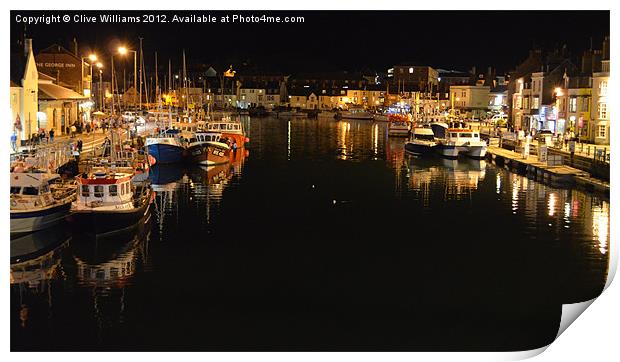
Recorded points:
(341,40)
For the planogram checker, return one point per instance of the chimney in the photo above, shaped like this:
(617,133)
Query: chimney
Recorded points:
(586,62)
(596,60)
(606,48)
(27,47)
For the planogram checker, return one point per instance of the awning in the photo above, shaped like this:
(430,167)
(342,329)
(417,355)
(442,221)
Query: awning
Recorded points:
(49,91)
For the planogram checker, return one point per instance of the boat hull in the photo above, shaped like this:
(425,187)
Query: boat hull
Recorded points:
(164,153)
(419,149)
(208,155)
(448,151)
(398,132)
(25,222)
(110,221)
(477,152)
(356,116)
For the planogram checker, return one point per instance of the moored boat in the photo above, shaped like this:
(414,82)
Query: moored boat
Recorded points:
(108,201)
(422,141)
(167,147)
(398,125)
(208,148)
(356,113)
(231,130)
(33,204)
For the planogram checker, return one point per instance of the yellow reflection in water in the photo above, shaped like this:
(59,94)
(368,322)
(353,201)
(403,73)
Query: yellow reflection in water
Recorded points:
(498,183)
(515,195)
(375,136)
(600,226)
(551,204)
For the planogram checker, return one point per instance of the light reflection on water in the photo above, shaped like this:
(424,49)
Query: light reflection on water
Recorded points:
(333,213)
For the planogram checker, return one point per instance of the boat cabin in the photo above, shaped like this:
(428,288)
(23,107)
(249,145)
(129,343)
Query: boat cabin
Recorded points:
(30,190)
(425,133)
(463,134)
(104,188)
(228,127)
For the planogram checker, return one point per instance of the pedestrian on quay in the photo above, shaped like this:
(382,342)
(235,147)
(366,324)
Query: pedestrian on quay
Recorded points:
(79,145)
(14,142)
(51,133)
(73,130)
(87,128)
(234,146)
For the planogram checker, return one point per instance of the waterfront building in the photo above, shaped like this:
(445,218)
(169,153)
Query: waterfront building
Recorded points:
(447,78)
(498,99)
(60,107)
(24,93)
(69,70)
(412,77)
(472,100)
(599,111)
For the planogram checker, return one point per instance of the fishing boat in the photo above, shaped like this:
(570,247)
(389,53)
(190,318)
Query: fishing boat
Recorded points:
(398,125)
(167,147)
(422,141)
(34,203)
(108,201)
(208,148)
(230,129)
(355,112)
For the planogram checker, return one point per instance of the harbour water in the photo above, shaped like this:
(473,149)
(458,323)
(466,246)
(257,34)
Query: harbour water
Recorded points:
(324,236)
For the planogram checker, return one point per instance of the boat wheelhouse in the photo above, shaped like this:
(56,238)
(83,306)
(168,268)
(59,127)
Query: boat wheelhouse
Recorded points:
(229,129)
(460,139)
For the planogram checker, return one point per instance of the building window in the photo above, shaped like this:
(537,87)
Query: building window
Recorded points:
(601,131)
(572,105)
(535,102)
(602,110)
(603,88)
(585,104)
(526,102)
(410,70)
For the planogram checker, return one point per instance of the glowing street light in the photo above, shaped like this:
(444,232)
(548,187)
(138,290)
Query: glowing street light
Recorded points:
(122,50)
(92,57)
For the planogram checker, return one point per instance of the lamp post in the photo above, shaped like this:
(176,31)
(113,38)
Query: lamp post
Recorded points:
(99,66)
(123,51)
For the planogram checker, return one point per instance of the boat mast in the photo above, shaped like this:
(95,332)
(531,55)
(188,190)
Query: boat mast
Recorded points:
(141,62)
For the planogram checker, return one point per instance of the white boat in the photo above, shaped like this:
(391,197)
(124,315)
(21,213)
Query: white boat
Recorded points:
(327,114)
(33,204)
(356,113)
(398,126)
(380,117)
(461,140)
(422,141)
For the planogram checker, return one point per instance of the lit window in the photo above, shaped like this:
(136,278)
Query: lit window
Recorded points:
(602,110)
(603,88)
(410,70)
(535,102)
(602,131)
(572,106)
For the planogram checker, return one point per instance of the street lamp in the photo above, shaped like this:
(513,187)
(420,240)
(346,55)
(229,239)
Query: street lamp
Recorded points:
(123,51)
(100,66)
(93,58)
